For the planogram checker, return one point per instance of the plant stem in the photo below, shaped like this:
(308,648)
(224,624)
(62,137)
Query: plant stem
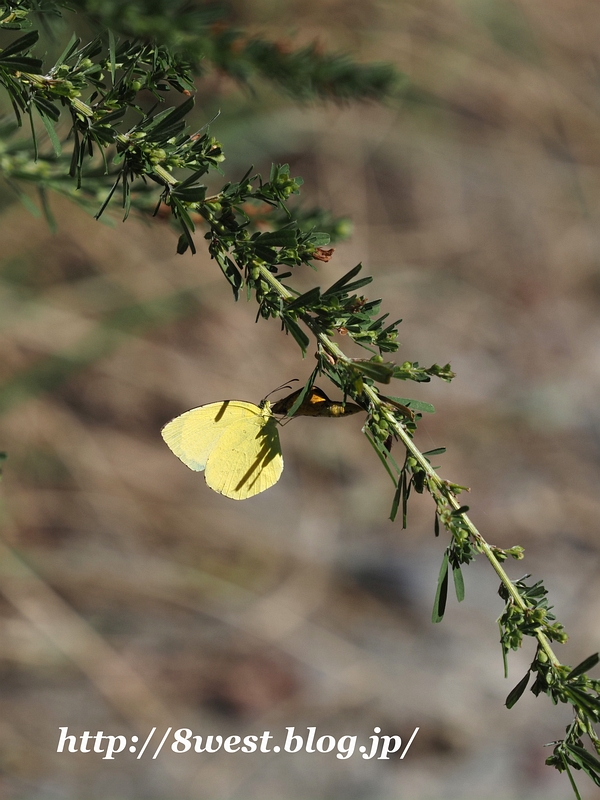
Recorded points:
(376,402)
(274,283)
(164,174)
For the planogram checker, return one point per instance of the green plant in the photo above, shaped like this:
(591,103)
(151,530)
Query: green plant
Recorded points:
(119,142)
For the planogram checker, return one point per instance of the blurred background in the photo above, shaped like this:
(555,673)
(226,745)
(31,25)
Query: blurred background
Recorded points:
(132,595)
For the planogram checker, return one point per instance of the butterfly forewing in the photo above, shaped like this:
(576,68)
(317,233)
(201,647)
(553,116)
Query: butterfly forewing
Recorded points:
(193,435)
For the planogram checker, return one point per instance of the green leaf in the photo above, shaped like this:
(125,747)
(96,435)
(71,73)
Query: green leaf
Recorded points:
(352,287)
(413,373)
(298,401)
(267,254)
(33,133)
(319,239)
(228,267)
(184,217)
(305,300)
(108,197)
(460,511)
(572,781)
(416,405)
(74,43)
(406,484)
(52,135)
(285,237)
(23,63)
(381,372)
(191,179)
(187,234)
(585,666)
(503,648)
(338,286)
(589,763)
(19,45)
(190,194)
(437,452)
(46,209)
(390,459)
(579,697)
(112,55)
(46,107)
(377,447)
(29,204)
(396,501)
(516,693)
(459,584)
(297,332)
(441,595)
(165,120)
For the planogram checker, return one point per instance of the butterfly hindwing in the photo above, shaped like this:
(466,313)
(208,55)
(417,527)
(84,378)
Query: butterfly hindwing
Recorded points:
(246,460)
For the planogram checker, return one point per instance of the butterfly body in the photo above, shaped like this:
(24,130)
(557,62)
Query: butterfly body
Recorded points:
(315,404)
(234,442)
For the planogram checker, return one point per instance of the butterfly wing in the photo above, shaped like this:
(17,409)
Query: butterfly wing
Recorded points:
(283,406)
(247,458)
(236,443)
(193,435)
(315,404)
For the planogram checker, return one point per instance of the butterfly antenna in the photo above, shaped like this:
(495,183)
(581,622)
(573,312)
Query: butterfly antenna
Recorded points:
(283,386)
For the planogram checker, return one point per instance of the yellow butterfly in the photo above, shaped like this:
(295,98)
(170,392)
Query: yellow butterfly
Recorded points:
(315,404)
(234,442)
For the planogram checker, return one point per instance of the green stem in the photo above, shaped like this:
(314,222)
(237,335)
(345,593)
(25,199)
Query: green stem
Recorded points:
(164,174)
(423,463)
(82,107)
(44,82)
(442,486)
(273,282)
